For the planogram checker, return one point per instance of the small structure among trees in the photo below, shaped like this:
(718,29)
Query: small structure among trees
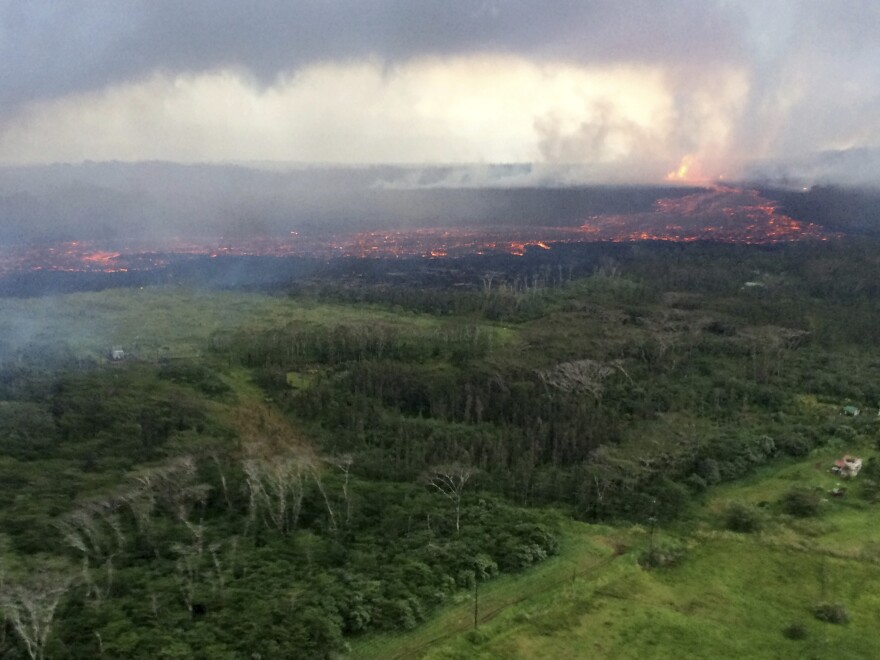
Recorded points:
(848,466)
(851,411)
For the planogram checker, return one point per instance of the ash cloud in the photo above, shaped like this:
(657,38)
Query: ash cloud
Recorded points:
(855,168)
(801,75)
(59,48)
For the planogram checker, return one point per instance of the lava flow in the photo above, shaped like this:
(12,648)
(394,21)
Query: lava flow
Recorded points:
(720,213)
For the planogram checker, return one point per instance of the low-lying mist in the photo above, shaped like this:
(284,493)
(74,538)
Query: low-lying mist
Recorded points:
(156,201)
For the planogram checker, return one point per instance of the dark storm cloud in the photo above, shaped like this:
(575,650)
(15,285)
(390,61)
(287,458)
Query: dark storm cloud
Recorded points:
(51,49)
(808,71)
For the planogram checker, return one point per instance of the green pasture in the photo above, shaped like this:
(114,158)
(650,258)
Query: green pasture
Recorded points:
(157,322)
(732,596)
(584,550)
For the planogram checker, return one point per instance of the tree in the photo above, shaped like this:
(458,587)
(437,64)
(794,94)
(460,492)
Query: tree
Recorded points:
(171,487)
(579,376)
(739,517)
(275,487)
(276,465)
(85,530)
(29,604)
(802,502)
(450,480)
(344,463)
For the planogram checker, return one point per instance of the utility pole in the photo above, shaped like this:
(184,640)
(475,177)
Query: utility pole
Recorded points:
(653,520)
(476,602)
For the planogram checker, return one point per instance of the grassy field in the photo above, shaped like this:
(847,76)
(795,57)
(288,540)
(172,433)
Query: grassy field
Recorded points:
(585,550)
(732,596)
(173,322)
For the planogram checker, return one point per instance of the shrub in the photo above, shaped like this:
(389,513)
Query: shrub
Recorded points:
(707,469)
(742,518)
(696,483)
(831,613)
(802,502)
(795,631)
(195,375)
(871,469)
(793,445)
(869,489)
(662,553)
(476,637)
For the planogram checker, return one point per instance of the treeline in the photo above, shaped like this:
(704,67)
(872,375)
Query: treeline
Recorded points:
(303,343)
(787,284)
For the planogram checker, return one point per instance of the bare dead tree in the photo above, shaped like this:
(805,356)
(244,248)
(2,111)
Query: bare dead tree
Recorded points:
(275,490)
(95,531)
(171,487)
(580,376)
(141,503)
(214,550)
(188,567)
(80,531)
(608,267)
(343,463)
(450,481)
(769,347)
(95,528)
(165,485)
(29,604)
(488,278)
(185,499)
(608,474)
(316,477)
(223,482)
(278,462)
(192,561)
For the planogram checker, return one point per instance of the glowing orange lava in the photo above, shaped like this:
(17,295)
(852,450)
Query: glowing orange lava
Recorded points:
(720,213)
(682,172)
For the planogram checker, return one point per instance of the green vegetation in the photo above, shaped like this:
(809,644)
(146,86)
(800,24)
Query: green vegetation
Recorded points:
(156,323)
(630,464)
(733,595)
(802,502)
(165,509)
(831,613)
(742,518)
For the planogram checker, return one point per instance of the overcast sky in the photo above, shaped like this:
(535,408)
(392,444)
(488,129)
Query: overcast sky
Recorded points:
(631,89)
